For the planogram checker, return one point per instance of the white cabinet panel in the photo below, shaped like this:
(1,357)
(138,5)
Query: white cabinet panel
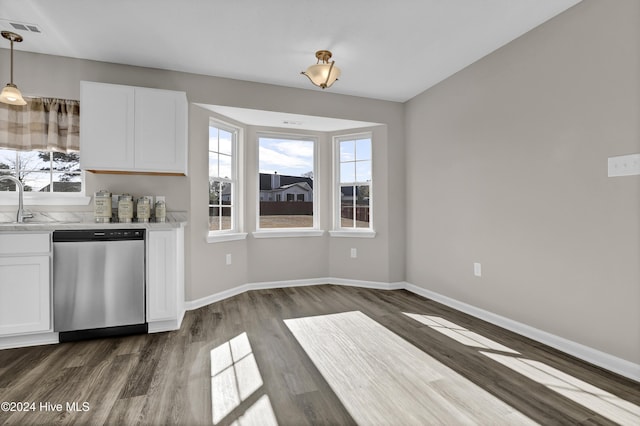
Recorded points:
(165,276)
(160,118)
(25,305)
(106,126)
(132,129)
(31,243)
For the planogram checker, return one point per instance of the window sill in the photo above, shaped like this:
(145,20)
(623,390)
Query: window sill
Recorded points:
(353,234)
(287,233)
(11,199)
(214,237)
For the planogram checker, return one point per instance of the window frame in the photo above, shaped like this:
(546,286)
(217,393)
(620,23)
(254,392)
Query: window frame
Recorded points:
(338,230)
(37,198)
(235,232)
(313,231)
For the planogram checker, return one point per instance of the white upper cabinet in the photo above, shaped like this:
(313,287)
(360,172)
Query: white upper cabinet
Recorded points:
(132,129)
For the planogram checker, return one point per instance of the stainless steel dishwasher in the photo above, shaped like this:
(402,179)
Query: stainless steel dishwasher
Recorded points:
(98,283)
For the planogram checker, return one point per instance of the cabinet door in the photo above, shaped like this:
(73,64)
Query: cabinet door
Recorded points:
(161,131)
(162,300)
(24,294)
(106,126)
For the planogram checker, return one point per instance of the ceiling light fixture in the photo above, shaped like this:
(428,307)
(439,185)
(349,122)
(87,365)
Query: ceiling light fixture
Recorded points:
(323,74)
(10,94)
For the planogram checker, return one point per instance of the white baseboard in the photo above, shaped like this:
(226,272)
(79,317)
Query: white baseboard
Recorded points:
(585,353)
(593,356)
(204,301)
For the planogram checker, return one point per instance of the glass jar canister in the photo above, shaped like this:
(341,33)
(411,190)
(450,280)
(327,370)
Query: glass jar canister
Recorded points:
(125,208)
(161,211)
(143,209)
(102,206)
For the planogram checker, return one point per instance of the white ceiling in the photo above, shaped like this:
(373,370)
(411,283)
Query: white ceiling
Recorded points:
(391,50)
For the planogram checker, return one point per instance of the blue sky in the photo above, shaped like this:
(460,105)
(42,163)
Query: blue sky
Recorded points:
(285,156)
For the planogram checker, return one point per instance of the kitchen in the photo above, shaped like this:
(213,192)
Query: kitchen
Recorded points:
(394,257)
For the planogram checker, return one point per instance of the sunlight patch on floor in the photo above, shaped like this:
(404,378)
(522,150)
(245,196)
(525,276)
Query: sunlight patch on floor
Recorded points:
(585,394)
(235,377)
(591,397)
(458,333)
(382,379)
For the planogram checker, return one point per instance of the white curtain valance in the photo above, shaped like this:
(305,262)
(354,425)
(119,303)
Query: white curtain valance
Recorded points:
(44,124)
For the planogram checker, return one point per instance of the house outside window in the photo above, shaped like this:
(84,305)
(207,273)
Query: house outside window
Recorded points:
(353,183)
(223,178)
(287,197)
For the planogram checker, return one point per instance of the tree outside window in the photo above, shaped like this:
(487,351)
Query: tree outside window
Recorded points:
(41,171)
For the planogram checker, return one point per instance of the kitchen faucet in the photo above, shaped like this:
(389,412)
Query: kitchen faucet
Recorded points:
(22,215)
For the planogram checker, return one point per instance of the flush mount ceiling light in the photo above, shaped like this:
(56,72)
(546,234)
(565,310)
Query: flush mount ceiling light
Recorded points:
(324,73)
(10,94)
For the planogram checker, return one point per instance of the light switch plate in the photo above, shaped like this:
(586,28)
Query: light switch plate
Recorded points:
(624,165)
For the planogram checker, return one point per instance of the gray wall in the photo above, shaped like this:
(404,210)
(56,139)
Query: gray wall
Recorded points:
(507,166)
(253,260)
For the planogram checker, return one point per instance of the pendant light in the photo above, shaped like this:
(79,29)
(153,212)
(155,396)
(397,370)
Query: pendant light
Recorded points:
(324,73)
(10,94)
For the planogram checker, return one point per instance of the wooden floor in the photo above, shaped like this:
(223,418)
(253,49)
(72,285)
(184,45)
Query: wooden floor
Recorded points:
(243,343)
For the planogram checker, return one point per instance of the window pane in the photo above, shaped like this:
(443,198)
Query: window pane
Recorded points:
(225,142)
(225,166)
(34,160)
(36,181)
(213,139)
(214,192)
(346,206)
(363,171)
(286,174)
(225,193)
(362,208)
(225,220)
(363,149)
(213,165)
(67,182)
(214,219)
(347,172)
(67,162)
(347,151)
(7,159)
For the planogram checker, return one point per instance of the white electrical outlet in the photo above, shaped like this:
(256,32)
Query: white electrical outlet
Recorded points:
(477,269)
(228,259)
(354,253)
(624,165)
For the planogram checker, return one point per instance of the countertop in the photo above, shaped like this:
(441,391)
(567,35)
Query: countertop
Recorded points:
(49,221)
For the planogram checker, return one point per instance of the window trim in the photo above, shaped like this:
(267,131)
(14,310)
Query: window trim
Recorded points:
(314,231)
(235,233)
(337,230)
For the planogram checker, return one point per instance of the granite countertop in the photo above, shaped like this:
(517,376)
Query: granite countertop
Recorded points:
(49,221)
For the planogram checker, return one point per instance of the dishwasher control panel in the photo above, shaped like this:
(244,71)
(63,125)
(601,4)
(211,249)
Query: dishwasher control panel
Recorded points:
(98,235)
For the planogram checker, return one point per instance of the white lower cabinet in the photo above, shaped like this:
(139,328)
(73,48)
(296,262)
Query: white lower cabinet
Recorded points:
(165,279)
(25,287)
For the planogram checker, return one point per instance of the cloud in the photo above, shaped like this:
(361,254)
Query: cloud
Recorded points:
(285,156)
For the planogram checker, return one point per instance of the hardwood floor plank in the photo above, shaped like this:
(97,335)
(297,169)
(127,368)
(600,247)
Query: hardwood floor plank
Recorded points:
(166,378)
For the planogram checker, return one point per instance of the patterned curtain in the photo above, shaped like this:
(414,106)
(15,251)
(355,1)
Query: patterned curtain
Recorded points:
(44,124)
